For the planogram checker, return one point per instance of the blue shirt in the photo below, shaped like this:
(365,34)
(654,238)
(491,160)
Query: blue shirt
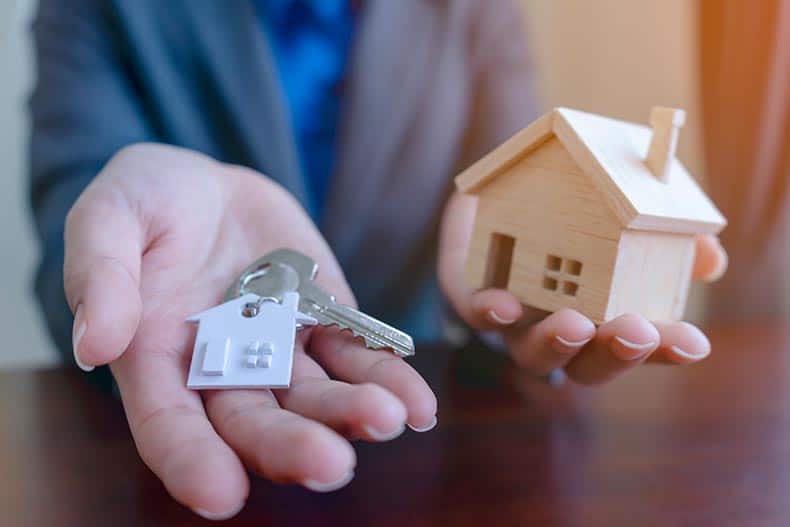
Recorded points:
(311,41)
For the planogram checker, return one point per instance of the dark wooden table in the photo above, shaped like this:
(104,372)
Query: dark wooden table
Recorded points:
(702,445)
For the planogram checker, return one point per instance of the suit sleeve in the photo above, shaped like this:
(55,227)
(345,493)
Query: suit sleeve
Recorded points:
(503,95)
(84,108)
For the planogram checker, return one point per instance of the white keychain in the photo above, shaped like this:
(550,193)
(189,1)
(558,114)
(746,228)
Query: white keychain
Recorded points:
(247,342)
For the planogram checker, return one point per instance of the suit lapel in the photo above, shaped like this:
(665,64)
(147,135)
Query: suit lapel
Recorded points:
(240,61)
(390,57)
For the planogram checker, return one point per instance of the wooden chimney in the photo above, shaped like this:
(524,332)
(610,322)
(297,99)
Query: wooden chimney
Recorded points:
(666,123)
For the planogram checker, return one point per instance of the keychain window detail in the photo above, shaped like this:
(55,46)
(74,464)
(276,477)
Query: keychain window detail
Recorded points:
(562,275)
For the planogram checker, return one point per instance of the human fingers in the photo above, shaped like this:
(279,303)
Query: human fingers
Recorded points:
(618,346)
(349,360)
(551,343)
(681,343)
(175,438)
(365,410)
(103,248)
(279,444)
(710,258)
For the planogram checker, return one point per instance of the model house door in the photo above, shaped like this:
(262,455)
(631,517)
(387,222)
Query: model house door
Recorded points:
(500,259)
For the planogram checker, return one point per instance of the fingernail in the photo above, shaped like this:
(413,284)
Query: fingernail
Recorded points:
(568,346)
(317,486)
(377,435)
(633,350)
(80,326)
(494,317)
(429,426)
(691,356)
(722,268)
(219,516)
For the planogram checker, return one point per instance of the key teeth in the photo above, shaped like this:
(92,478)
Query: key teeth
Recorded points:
(373,345)
(369,344)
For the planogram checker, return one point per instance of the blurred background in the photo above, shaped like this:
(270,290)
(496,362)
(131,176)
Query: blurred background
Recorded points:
(25,341)
(614,57)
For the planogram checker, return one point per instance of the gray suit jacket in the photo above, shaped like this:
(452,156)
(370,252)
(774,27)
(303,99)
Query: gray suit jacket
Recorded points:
(433,85)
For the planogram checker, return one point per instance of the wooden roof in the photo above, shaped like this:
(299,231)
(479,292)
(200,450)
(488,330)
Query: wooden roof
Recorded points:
(612,153)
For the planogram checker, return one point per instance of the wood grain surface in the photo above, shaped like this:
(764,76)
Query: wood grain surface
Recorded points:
(701,445)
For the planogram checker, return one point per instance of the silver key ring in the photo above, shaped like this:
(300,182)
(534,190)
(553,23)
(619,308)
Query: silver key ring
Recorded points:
(286,270)
(286,280)
(251,309)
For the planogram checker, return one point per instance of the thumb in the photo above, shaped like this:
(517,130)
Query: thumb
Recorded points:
(488,309)
(103,247)
(710,260)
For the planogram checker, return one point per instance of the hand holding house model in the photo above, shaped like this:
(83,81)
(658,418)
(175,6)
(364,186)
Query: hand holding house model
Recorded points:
(585,212)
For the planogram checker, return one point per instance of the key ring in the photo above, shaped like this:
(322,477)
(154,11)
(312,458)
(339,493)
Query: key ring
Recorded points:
(286,280)
(251,309)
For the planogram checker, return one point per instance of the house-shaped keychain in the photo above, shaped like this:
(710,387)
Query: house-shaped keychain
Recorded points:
(586,212)
(247,342)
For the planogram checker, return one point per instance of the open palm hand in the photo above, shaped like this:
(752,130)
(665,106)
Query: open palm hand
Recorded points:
(158,236)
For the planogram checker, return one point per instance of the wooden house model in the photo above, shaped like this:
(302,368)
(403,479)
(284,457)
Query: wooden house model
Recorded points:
(582,211)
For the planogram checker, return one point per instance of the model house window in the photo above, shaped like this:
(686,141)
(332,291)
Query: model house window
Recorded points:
(562,275)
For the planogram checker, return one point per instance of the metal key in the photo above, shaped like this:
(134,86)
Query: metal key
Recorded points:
(288,270)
